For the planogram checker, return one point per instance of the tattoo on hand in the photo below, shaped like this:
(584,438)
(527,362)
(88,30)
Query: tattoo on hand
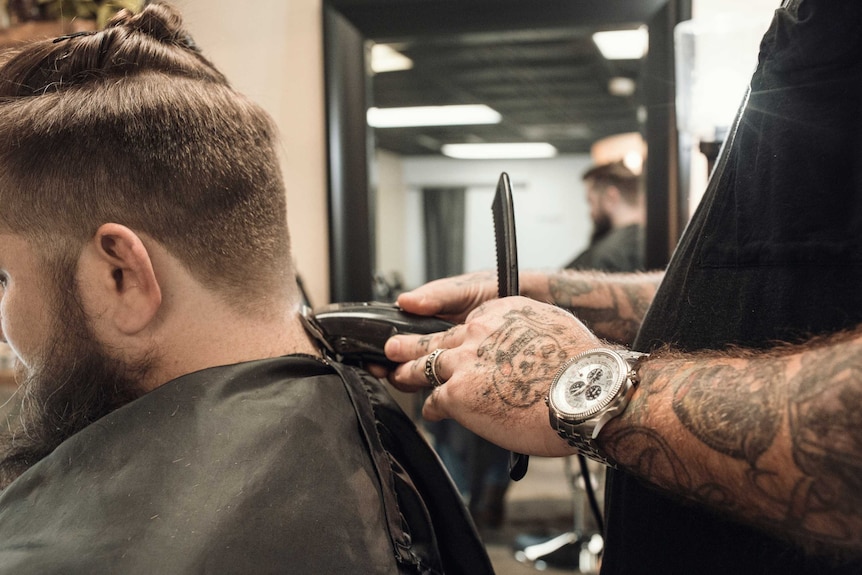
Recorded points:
(475,278)
(424,343)
(526,352)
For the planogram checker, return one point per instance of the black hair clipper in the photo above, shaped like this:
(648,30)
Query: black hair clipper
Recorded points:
(355,333)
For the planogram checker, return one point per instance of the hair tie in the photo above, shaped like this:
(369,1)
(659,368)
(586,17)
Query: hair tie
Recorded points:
(73,35)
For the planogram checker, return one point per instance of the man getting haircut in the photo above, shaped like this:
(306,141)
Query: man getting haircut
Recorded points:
(175,417)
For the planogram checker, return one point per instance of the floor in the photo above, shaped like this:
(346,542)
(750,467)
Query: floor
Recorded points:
(541,504)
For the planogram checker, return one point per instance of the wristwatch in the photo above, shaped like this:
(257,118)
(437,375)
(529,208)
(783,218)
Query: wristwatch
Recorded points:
(588,391)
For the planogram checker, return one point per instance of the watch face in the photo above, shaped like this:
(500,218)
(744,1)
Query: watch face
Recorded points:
(587,384)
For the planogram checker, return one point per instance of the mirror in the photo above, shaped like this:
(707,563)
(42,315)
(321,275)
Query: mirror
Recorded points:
(357,172)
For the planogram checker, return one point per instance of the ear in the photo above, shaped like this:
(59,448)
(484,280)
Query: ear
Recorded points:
(612,195)
(119,275)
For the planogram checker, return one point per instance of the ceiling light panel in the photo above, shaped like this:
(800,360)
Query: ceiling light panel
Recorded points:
(384,58)
(622,44)
(528,150)
(467,115)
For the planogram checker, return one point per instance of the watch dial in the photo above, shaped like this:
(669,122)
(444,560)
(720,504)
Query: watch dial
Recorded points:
(587,385)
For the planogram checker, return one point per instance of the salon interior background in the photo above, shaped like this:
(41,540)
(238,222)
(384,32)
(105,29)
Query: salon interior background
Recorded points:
(274,53)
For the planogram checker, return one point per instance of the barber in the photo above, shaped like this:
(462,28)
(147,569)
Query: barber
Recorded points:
(768,438)
(730,452)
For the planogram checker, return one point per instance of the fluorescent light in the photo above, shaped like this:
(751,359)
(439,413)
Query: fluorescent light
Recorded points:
(621,86)
(499,151)
(432,116)
(384,58)
(634,161)
(622,44)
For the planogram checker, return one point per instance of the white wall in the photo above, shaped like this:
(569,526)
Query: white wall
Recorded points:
(551,214)
(753,17)
(273,53)
(392,233)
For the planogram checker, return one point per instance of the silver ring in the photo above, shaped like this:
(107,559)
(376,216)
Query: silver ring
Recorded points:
(431,368)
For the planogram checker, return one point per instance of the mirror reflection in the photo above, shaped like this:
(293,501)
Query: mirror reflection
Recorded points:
(553,88)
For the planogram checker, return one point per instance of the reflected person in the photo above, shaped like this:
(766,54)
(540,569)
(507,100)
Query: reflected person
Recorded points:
(618,212)
(175,416)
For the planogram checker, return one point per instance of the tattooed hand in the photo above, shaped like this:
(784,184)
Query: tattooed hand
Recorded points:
(497,368)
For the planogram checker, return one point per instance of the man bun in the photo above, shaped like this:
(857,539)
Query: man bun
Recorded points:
(160,21)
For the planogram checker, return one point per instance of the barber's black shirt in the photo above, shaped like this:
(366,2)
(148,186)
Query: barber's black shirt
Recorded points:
(774,252)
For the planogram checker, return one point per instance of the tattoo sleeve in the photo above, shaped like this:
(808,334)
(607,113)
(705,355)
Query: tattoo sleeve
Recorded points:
(773,438)
(612,305)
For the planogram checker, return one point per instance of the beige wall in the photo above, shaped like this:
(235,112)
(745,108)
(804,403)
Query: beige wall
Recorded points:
(273,53)
(391,234)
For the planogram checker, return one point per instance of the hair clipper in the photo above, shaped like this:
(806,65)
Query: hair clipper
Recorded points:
(355,333)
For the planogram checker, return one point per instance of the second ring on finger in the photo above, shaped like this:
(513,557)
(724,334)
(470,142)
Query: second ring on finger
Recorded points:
(431,372)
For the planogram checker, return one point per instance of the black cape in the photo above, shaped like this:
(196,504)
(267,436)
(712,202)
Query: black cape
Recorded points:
(620,250)
(273,466)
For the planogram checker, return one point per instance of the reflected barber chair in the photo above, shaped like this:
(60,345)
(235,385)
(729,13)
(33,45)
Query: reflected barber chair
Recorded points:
(580,549)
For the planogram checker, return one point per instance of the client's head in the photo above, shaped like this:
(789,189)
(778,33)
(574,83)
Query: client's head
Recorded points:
(119,149)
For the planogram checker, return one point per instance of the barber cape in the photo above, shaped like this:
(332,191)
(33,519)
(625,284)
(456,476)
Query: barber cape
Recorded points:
(285,465)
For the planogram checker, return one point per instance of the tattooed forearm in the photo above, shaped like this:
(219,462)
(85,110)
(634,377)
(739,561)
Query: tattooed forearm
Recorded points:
(739,418)
(773,438)
(824,407)
(612,305)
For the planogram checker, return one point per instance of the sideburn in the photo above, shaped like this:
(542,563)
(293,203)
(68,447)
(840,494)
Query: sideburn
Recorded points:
(74,384)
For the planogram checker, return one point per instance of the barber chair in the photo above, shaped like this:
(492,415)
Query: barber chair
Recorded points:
(580,549)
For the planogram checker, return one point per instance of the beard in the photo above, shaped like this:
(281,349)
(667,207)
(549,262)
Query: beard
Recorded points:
(74,383)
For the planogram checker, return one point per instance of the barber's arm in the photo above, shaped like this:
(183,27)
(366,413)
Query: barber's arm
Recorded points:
(770,438)
(612,305)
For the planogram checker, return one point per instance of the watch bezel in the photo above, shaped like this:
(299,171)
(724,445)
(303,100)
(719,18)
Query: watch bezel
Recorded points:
(564,412)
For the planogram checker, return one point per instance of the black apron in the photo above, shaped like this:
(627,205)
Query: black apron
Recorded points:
(773,252)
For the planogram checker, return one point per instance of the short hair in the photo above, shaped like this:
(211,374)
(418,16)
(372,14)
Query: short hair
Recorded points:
(614,174)
(133,125)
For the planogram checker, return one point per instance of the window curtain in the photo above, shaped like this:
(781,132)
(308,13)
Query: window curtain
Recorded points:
(478,468)
(444,215)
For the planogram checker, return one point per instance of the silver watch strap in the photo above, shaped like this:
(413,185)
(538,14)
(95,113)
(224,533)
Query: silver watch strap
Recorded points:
(586,446)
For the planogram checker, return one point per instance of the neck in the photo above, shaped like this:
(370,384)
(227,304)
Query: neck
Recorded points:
(627,215)
(214,337)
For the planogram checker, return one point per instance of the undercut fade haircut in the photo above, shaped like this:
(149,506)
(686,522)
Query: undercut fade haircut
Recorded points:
(133,125)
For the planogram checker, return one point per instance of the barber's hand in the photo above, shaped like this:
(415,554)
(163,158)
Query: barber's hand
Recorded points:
(494,371)
(451,298)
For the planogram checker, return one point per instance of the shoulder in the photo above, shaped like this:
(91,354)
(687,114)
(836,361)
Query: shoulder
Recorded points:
(621,250)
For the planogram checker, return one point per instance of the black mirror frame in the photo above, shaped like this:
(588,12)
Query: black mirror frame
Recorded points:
(347,24)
